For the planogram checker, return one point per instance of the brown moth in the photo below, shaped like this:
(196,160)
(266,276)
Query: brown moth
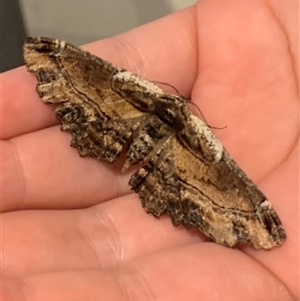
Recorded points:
(184,170)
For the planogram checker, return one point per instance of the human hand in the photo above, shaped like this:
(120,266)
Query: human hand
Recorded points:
(71,228)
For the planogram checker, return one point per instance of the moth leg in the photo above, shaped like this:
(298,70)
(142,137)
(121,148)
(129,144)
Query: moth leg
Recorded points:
(150,135)
(115,139)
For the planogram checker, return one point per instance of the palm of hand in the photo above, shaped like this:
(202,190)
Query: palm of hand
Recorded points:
(238,65)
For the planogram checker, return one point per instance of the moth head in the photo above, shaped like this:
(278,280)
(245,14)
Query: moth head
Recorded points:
(172,110)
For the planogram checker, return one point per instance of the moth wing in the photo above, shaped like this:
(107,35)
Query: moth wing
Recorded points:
(187,173)
(86,90)
(212,194)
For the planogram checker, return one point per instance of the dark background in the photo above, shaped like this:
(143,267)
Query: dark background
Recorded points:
(12,33)
(87,21)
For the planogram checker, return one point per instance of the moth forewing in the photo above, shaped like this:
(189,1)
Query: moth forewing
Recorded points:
(184,170)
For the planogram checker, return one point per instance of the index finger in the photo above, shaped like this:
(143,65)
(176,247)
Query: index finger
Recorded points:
(157,51)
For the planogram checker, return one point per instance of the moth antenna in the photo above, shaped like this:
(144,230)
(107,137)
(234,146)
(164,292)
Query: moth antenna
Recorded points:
(184,172)
(189,101)
(202,116)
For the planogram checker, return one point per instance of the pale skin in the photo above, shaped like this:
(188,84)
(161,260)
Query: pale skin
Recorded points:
(238,61)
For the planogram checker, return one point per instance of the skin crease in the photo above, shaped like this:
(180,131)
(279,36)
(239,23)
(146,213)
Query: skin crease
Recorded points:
(238,61)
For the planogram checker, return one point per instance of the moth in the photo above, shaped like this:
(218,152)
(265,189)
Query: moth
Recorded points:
(184,171)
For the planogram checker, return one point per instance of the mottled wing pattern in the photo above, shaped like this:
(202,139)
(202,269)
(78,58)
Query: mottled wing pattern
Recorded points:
(99,118)
(213,195)
(185,171)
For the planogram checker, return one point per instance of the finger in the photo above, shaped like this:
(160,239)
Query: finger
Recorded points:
(41,170)
(243,60)
(119,231)
(102,236)
(22,111)
(282,189)
(246,81)
(192,272)
(118,240)
(160,51)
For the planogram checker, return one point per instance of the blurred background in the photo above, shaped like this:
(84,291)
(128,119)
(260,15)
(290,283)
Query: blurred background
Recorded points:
(77,21)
